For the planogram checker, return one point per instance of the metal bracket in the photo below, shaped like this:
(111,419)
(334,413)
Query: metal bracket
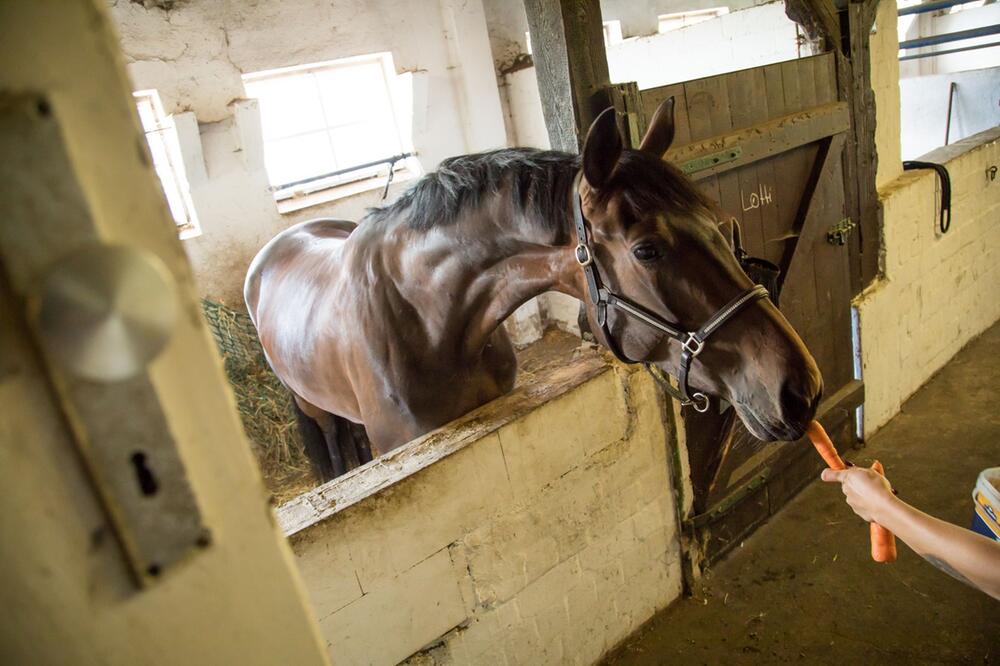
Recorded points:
(709,161)
(838,233)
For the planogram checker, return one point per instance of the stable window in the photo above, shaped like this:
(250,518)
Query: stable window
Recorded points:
(330,124)
(161,136)
(668,22)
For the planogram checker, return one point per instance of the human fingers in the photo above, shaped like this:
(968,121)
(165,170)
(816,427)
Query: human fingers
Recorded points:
(834,475)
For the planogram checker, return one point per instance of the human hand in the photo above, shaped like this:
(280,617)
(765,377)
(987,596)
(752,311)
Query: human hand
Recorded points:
(867,491)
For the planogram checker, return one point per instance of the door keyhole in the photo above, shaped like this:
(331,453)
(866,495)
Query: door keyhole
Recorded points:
(144,475)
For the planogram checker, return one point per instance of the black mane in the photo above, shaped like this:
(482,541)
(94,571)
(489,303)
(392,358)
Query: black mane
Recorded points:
(537,182)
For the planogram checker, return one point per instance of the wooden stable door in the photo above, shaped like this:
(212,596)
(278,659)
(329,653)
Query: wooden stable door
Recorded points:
(766,144)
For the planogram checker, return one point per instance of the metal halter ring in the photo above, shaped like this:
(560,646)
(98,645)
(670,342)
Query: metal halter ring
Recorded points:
(693,345)
(700,402)
(584,256)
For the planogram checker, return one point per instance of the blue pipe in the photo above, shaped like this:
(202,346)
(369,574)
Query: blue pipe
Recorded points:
(932,54)
(950,37)
(931,6)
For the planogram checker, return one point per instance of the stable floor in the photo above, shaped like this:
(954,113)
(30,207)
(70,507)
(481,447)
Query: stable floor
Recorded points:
(803,589)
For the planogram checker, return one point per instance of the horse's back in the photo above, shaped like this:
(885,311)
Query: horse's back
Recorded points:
(291,244)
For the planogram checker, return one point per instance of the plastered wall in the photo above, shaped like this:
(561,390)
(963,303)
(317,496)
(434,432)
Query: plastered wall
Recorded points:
(195,54)
(935,292)
(546,540)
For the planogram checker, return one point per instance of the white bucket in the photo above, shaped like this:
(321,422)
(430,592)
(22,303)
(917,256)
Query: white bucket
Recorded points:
(986,496)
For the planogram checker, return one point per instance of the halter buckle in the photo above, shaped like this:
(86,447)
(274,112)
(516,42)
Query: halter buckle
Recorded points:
(700,402)
(584,256)
(692,345)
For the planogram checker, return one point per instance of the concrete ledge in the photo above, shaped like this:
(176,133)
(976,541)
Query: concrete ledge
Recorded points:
(945,154)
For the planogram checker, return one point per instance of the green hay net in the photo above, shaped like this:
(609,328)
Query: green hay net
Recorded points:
(264,404)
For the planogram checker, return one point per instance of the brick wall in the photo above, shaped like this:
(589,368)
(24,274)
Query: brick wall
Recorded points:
(937,291)
(548,539)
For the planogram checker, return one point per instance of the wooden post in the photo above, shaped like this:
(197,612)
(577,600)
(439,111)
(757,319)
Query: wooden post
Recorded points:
(567,41)
(860,18)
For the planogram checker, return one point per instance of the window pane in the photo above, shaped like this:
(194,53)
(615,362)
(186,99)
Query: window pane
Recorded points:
(288,105)
(353,93)
(171,190)
(364,142)
(146,113)
(298,157)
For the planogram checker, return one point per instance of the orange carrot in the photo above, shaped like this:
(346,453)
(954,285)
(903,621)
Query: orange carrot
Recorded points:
(883,541)
(824,446)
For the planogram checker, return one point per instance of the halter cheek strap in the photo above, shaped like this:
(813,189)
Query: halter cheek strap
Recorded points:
(692,342)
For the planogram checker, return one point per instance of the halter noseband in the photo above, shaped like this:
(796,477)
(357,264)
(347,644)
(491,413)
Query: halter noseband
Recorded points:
(692,342)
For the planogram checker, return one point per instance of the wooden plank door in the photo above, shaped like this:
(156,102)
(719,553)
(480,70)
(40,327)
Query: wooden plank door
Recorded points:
(778,132)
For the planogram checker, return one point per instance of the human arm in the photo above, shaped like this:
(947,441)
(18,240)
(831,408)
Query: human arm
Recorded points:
(963,554)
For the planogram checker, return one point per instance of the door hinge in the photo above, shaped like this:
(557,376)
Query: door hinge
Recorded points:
(838,233)
(709,161)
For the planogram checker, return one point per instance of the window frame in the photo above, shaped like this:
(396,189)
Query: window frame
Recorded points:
(166,132)
(347,180)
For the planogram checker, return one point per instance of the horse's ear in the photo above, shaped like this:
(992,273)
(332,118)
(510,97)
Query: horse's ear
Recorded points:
(602,149)
(660,133)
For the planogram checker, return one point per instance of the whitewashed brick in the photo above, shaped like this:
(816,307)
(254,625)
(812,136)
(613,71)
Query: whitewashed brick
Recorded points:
(939,291)
(426,512)
(586,419)
(397,618)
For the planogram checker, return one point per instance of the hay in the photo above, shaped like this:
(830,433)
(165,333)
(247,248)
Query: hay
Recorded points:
(264,404)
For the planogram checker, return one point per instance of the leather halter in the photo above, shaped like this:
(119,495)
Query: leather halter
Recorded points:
(692,342)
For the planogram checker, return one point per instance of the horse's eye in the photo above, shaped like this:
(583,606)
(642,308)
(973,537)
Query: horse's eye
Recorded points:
(646,252)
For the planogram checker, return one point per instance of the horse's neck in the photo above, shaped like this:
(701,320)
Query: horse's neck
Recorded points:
(467,278)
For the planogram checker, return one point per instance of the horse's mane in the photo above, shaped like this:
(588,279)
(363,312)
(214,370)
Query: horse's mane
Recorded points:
(538,183)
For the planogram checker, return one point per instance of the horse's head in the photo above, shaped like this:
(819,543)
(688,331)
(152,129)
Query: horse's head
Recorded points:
(657,242)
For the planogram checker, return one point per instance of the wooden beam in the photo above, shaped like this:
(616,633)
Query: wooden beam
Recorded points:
(819,19)
(567,41)
(860,18)
(775,136)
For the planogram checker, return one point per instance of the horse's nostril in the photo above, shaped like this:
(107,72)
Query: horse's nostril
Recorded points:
(815,401)
(798,408)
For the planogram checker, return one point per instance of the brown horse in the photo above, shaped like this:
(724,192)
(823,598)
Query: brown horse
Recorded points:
(396,323)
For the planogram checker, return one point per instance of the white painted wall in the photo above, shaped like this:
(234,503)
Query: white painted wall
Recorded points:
(924,108)
(195,54)
(742,39)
